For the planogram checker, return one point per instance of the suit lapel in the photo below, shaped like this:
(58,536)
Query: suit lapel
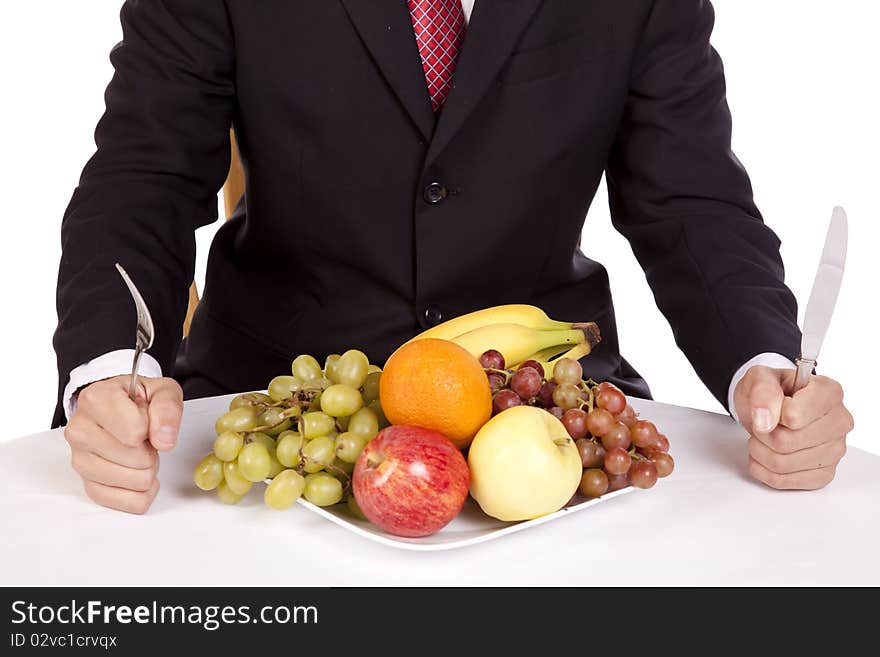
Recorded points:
(386,30)
(492,33)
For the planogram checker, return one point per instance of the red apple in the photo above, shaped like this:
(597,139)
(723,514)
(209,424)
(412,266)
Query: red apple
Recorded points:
(410,481)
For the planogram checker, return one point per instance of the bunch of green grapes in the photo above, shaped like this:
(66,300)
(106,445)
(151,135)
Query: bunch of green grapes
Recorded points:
(303,437)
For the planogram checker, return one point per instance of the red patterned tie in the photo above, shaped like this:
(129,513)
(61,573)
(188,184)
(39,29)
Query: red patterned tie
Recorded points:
(439,29)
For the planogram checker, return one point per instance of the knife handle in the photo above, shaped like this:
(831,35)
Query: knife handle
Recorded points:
(805,368)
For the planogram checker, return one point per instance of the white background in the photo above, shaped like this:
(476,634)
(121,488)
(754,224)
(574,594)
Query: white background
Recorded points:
(802,87)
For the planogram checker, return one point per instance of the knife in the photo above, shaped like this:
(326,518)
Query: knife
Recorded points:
(820,307)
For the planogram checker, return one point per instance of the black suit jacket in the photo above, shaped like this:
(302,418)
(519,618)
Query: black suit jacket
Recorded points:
(337,243)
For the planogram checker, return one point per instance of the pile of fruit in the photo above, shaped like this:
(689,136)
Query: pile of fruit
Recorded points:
(493,404)
(616,447)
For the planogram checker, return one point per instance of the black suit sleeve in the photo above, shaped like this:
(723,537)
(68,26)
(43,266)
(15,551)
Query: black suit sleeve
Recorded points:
(162,155)
(683,200)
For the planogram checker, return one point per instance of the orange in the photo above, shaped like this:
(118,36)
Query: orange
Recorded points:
(437,385)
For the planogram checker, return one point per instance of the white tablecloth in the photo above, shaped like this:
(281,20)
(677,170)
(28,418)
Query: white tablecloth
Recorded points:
(706,524)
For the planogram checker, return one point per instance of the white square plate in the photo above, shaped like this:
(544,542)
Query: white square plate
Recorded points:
(469,527)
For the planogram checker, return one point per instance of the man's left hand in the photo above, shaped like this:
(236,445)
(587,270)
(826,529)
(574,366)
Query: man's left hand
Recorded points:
(795,441)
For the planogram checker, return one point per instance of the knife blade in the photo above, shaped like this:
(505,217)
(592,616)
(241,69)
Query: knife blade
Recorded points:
(823,298)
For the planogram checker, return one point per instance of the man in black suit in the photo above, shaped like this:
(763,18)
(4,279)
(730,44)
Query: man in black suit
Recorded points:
(397,155)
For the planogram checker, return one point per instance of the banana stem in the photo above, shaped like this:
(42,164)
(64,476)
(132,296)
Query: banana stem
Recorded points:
(562,338)
(584,333)
(591,331)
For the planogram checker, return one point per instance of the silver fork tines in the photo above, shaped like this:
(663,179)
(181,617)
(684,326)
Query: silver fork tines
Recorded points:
(145,332)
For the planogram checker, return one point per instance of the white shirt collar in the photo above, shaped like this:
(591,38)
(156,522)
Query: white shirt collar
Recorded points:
(468,6)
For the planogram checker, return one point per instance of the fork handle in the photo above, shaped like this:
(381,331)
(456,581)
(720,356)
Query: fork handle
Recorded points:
(132,386)
(805,368)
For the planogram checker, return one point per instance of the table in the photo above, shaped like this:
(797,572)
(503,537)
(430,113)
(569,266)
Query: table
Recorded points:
(707,524)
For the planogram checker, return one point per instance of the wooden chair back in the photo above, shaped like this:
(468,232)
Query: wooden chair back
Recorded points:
(233,190)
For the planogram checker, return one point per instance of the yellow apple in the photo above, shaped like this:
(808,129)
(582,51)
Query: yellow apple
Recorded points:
(523,464)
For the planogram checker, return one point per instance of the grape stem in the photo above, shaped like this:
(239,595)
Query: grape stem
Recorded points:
(505,373)
(293,409)
(267,427)
(347,486)
(591,399)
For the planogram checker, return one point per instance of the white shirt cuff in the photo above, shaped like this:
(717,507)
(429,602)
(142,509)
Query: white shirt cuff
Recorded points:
(105,366)
(767,359)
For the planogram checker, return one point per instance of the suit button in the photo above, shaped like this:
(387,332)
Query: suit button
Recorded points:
(435,193)
(433,315)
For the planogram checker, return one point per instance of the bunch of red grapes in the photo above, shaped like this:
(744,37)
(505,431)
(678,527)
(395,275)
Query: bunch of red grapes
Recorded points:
(617,448)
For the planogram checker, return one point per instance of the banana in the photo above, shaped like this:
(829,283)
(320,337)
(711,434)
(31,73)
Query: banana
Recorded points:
(544,355)
(575,353)
(528,316)
(517,342)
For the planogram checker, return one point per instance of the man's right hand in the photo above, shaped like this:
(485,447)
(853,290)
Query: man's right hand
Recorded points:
(115,441)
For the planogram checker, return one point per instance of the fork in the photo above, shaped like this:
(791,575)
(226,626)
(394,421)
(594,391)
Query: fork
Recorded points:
(145,332)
